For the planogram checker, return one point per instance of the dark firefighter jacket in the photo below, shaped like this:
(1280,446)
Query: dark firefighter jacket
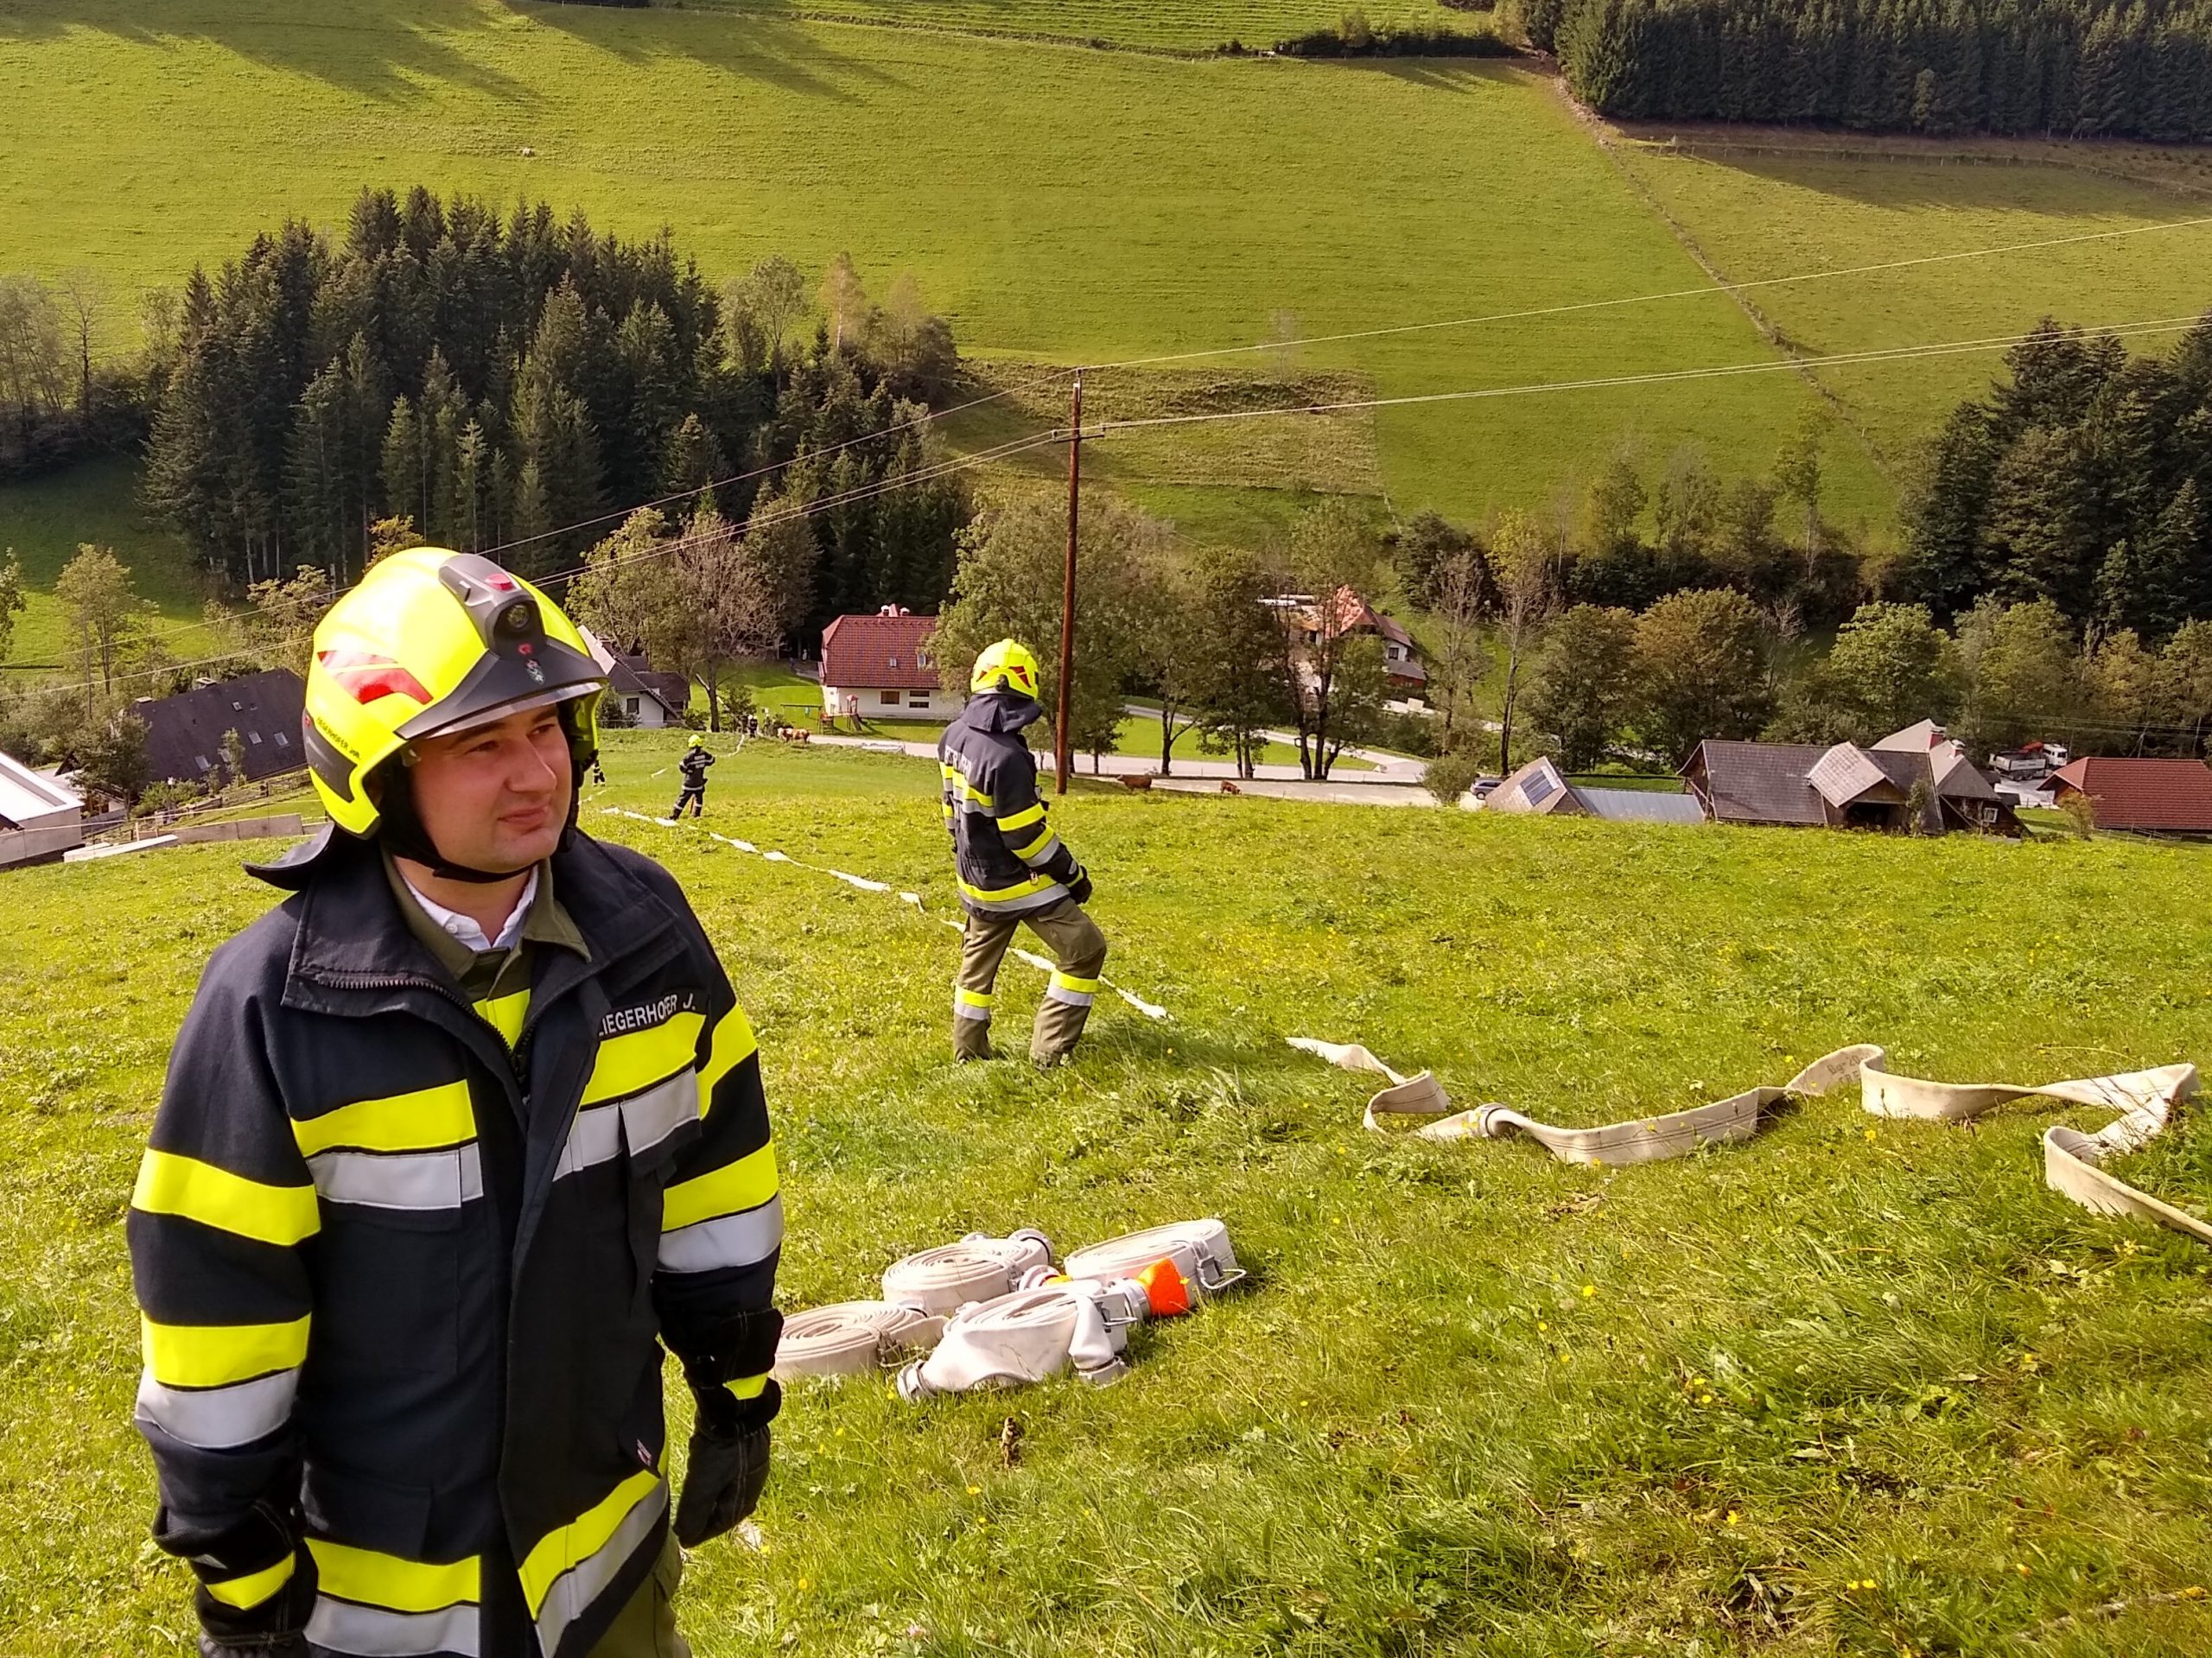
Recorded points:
(1005,855)
(403,1284)
(694,766)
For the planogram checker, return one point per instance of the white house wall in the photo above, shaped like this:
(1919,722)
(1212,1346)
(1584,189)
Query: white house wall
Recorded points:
(911,705)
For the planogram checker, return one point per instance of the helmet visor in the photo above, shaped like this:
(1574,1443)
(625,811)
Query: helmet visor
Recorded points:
(461,724)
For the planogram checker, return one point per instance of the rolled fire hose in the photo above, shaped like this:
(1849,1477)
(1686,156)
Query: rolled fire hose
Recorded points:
(1031,1334)
(852,1338)
(1200,1251)
(2144,1098)
(979,1267)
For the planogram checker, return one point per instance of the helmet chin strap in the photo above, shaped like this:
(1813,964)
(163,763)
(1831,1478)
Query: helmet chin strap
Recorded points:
(401,826)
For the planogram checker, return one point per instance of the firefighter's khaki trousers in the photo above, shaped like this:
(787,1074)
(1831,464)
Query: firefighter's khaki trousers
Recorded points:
(646,1627)
(1078,948)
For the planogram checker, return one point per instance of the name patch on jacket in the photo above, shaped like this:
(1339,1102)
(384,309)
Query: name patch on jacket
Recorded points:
(623,1020)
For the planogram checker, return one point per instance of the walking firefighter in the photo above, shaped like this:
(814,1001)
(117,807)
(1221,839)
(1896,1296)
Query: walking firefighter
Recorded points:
(693,765)
(1013,870)
(455,1140)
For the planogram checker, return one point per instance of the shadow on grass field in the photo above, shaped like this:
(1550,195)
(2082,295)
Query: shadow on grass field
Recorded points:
(1856,1388)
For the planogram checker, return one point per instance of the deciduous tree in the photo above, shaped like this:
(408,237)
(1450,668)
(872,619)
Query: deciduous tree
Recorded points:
(1702,670)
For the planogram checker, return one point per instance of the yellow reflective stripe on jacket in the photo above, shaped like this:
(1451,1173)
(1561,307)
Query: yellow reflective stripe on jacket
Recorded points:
(954,775)
(573,1544)
(374,1578)
(256,1586)
(1021,819)
(215,1356)
(425,1120)
(1000,894)
(747,1183)
(631,1064)
(748,1387)
(1030,853)
(506,1014)
(731,1046)
(185,1186)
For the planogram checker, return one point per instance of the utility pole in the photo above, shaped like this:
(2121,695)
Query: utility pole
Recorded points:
(1060,754)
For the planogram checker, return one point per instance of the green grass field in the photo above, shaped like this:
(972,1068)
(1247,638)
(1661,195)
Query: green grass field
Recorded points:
(1760,217)
(1856,1388)
(1060,204)
(46,520)
(1069,206)
(1156,24)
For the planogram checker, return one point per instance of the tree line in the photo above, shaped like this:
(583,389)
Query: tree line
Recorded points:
(2081,479)
(496,381)
(59,402)
(2109,68)
(1227,644)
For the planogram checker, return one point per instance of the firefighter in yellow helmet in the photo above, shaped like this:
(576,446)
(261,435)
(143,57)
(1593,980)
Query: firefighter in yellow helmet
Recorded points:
(1013,870)
(453,1140)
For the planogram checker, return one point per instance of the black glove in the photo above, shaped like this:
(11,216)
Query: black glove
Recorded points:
(1079,888)
(729,1463)
(282,1646)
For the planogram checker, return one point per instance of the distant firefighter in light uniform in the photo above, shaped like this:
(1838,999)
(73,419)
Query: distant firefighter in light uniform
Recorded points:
(1013,869)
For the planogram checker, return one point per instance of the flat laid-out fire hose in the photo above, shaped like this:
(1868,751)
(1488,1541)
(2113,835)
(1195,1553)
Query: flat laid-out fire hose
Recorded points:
(852,1338)
(2144,1099)
(992,1311)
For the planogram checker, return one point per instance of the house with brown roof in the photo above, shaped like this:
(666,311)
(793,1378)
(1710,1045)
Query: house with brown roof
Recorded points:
(1914,780)
(881,667)
(1347,614)
(2148,797)
(647,700)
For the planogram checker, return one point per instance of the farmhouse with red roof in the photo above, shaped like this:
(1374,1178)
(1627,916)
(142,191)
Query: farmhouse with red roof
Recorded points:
(881,667)
(2147,795)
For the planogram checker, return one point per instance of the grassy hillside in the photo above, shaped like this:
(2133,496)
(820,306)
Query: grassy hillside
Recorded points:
(1155,24)
(1059,203)
(1857,1387)
(1759,216)
(46,520)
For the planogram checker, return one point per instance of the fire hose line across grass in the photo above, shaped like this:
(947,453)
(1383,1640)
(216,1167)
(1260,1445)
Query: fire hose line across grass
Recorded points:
(2144,1100)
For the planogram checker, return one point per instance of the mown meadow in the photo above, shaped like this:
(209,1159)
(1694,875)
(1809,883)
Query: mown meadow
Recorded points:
(1065,205)
(1857,1387)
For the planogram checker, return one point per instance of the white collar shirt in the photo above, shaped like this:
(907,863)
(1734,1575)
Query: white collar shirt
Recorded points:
(466,929)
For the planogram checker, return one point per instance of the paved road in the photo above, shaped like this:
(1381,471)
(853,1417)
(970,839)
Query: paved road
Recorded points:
(1399,786)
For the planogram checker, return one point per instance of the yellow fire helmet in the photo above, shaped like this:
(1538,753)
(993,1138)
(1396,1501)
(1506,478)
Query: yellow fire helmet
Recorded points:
(435,641)
(1006,666)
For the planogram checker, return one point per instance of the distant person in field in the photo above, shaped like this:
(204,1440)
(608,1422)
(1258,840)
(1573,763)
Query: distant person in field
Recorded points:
(1013,870)
(455,1140)
(693,767)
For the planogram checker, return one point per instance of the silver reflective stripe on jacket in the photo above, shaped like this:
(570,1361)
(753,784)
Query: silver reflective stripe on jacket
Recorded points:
(573,1592)
(376,1632)
(215,1419)
(726,1241)
(427,1180)
(641,1121)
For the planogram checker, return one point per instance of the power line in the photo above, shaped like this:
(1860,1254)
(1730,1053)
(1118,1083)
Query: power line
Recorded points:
(1840,360)
(825,503)
(920,421)
(169,629)
(1699,292)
